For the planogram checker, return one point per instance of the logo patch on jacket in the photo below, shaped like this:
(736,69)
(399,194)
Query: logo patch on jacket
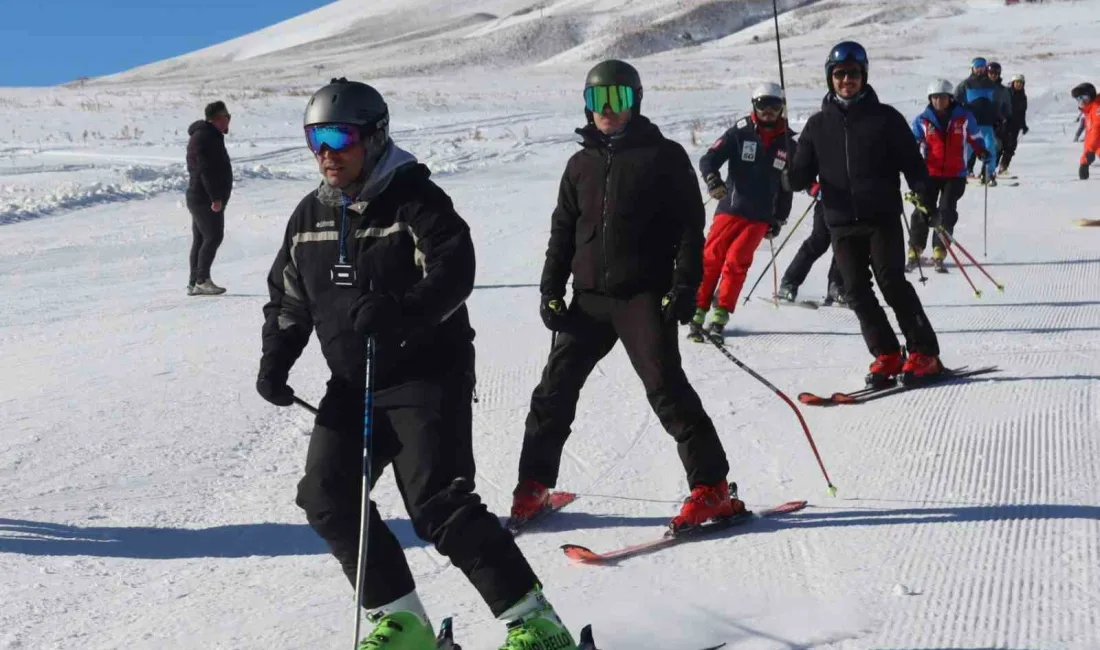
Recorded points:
(717,145)
(326,224)
(748,151)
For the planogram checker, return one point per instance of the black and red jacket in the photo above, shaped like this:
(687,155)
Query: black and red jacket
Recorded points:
(757,156)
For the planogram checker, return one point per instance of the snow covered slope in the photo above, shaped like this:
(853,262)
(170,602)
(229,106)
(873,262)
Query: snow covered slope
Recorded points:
(149,492)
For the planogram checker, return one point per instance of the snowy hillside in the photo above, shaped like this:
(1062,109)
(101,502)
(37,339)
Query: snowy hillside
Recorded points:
(149,491)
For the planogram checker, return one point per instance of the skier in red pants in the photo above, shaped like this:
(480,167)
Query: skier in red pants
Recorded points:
(752,204)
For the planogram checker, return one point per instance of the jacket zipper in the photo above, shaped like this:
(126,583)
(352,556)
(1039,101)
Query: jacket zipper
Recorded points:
(848,168)
(603,219)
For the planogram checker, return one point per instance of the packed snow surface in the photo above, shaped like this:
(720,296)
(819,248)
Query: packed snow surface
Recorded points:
(149,491)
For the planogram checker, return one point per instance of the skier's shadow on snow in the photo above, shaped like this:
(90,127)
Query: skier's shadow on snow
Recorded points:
(152,543)
(859,516)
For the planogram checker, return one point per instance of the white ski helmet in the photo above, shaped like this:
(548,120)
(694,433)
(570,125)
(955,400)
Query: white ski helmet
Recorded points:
(1018,77)
(941,87)
(767,90)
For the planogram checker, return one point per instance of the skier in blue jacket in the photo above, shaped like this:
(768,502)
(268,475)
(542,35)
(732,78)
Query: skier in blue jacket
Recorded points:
(988,100)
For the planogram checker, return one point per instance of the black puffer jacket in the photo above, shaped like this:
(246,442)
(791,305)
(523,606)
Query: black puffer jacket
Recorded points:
(404,237)
(629,217)
(857,152)
(211,174)
(1019,109)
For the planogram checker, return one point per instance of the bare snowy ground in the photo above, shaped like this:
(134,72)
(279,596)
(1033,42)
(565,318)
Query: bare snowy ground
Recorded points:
(149,491)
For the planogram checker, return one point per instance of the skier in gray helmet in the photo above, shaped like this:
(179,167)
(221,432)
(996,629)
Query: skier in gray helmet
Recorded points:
(378,250)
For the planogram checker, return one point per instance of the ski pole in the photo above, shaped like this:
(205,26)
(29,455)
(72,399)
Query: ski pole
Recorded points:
(775,275)
(782,80)
(717,342)
(985,216)
(780,250)
(905,222)
(955,242)
(951,251)
(364,522)
(306,405)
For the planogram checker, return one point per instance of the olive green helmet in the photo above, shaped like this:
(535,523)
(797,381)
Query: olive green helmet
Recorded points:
(614,72)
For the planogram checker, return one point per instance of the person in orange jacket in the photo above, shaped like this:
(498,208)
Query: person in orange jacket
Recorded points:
(1087,101)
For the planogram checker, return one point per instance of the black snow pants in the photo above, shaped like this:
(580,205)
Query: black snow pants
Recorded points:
(596,322)
(207,231)
(878,248)
(1009,139)
(945,194)
(811,249)
(426,435)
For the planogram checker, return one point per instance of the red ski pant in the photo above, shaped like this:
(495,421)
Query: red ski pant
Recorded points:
(731,243)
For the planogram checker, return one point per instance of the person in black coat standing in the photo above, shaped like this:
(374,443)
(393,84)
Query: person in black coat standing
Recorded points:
(628,227)
(856,147)
(208,190)
(1016,124)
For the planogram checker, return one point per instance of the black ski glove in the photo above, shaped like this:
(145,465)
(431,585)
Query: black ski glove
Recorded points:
(983,155)
(376,313)
(678,305)
(716,187)
(1023,129)
(271,383)
(774,229)
(553,313)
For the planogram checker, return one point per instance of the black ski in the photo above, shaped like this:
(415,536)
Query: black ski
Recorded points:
(872,393)
(780,302)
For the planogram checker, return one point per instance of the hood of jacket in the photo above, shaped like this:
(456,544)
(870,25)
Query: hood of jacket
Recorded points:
(393,160)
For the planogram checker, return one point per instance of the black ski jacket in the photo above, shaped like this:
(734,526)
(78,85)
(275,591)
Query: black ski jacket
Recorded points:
(629,217)
(1019,109)
(404,237)
(755,169)
(211,174)
(857,152)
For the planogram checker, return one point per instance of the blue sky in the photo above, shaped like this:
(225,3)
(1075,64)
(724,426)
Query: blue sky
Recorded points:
(47,42)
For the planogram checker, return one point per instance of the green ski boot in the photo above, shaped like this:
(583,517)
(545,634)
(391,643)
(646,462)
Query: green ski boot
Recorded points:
(718,322)
(399,631)
(539,629)
(695,327)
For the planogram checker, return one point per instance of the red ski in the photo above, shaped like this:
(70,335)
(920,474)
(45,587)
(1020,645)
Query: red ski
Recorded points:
(558,500)
(867,394)
(588,556)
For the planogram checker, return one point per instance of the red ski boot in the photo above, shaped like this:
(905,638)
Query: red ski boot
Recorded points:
(885,369)
(706,502)
(920,367)
(528,499)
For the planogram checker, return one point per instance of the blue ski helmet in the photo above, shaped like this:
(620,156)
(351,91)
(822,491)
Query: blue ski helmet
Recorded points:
(846,52)
(978,62)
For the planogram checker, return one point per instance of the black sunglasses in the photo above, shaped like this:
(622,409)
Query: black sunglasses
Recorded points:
(850,73)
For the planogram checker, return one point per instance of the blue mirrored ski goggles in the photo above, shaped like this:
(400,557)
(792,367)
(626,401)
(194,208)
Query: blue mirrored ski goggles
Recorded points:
(337,137)
(619,98)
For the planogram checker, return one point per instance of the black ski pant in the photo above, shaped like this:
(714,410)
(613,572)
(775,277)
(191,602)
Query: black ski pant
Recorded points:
(943,193)
(207,232)
(427,439)
(1009,139)
(811,249)
(878,248)
(596,322)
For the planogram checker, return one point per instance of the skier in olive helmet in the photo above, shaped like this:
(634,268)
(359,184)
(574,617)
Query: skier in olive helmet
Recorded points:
(628,228)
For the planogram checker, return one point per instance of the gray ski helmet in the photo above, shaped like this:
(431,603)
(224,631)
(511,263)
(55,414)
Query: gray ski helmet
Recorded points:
(349,102)
(614,72)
